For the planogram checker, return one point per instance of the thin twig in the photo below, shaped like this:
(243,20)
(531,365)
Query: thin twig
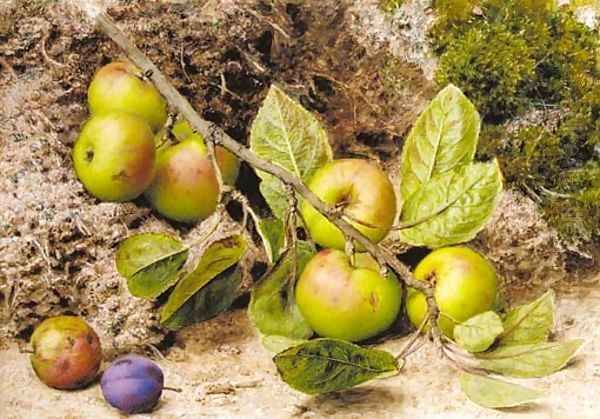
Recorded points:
(403,353)
(291,239)
(182,63)
(272,24)
(212,133)
(212,155)
(45,53)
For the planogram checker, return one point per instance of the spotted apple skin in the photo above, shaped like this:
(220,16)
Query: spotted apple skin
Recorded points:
(66,352)
(132,384)
(347,299)
(114,156)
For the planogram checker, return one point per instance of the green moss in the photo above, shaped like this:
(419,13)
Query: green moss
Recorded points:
(509,56)
(514,53)
(390,6)
(456,10)
(482,62)
(558,168)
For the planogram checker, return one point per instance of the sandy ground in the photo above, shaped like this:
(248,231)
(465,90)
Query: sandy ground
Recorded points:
(224,372)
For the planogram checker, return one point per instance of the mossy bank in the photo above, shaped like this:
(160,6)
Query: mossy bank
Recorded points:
(532,61)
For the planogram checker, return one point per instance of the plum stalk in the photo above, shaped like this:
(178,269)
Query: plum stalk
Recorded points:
(216,136)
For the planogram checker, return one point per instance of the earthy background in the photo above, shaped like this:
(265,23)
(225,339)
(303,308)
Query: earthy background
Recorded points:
(367,74)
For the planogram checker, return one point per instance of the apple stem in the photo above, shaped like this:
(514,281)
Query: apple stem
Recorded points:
(410,344)
(176,390)
(26,351)
(291,239)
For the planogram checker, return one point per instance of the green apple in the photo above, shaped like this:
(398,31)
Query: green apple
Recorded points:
(66,352)
(228,163)
(465,285)
(119,87)
(362,191)
(344,300)
(114,156)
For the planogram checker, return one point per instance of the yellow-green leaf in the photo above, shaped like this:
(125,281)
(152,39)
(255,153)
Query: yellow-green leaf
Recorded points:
(288,135)
(452,207)
(443,138)
(529,323)
(150,262)
(272,235)
(276,343)
(479,332)
(219,256)
(530,361)
(325,365)
(496,394)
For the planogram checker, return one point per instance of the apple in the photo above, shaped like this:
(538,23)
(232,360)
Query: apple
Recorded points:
(185,187)
(119,87)
(66,352)
(344,300)
(465,285)
(228,163)
(362,191)
(114,156)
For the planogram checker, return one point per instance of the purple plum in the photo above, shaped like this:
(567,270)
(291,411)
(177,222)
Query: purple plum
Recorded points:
(66,352)
(132,384)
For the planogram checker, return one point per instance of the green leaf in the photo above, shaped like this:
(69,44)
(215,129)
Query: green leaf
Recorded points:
(529,323)
(453,207)
(479,332)
(219,256)
(214,298)
(496,394)
(326,365)
(150,262)
(443,138)
(288,135)
(276,344)
(529,361)
(271,309)
(272,235)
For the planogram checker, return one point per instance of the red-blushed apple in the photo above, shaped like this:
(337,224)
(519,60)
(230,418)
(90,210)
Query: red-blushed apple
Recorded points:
(228,163)
(344,300)
(66,352)
(362,191)
(114,156)
(118,86)
(465,285)
(185,188)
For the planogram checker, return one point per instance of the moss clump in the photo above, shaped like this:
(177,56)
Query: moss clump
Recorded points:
(509,56)
(560,168)
(482,63)
(512,54)
(390,6)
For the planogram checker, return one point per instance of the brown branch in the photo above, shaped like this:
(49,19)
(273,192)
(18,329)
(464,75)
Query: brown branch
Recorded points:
(212,133)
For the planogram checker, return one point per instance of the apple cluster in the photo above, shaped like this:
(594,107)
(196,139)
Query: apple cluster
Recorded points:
(346,297)
(124,149)
(67,356)
(127,149)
